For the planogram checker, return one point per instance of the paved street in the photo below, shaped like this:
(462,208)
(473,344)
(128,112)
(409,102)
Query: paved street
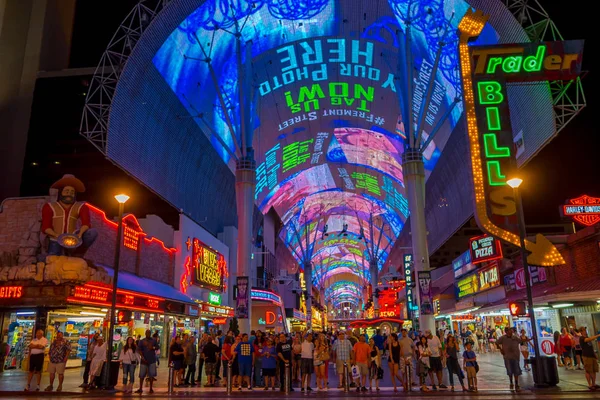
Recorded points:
(492,382)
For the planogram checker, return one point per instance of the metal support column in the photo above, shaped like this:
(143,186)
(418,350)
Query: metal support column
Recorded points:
(373,270)
(414,178)
(245,183)
(308,282)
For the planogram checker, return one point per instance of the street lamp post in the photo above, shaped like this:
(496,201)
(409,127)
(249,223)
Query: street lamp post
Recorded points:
(515,183)
(121,198)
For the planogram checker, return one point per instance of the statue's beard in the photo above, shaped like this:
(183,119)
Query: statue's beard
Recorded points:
(66,199)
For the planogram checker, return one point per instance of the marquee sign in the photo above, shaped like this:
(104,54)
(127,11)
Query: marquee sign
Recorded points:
(410,283)
(485,248)
(209,266)
(485,71)
(11,292)
(484,279)
(584,209)
(101,296)
(462,264)
(265,296)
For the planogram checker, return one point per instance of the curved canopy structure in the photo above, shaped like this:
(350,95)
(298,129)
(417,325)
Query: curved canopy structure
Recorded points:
(322,79)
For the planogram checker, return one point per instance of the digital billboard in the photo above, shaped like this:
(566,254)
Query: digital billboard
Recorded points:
(328,133)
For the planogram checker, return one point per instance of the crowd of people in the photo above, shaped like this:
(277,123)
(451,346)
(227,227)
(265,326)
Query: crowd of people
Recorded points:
(261,360)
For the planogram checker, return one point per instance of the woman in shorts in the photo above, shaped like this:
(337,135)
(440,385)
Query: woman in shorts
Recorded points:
(394,360)
(176,357)
(525,349)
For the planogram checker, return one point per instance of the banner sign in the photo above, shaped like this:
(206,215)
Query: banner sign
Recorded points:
(243,297)
(410,284)
(516,280)
(209,266)
(425,295)
(484,279)
(485,248)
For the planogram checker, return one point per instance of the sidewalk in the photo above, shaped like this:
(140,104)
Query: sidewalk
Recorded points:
(491,379)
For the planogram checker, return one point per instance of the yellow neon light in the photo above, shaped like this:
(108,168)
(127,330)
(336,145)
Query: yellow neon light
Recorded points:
(542,251)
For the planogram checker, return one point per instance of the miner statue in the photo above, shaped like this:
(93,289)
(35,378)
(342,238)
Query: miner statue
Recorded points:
(66,221)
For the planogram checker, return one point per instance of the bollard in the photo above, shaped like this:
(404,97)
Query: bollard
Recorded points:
(229,378)
(170,382)
(286,378)
(346,378)
(408,374)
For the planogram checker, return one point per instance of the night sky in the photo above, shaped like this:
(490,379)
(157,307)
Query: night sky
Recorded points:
(567,167)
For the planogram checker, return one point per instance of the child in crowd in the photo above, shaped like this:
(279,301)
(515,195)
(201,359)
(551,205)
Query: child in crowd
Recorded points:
(470,365)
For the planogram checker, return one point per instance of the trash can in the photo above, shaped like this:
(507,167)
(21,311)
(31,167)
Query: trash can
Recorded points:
(114,374)
(548,375)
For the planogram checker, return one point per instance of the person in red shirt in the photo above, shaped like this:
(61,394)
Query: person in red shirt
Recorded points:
(62,216)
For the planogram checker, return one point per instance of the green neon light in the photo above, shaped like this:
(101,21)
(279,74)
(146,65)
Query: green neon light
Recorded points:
(534,63)
(490,92)
(493,118)
(495,177)
(492,150)
(493,63)
(512,64)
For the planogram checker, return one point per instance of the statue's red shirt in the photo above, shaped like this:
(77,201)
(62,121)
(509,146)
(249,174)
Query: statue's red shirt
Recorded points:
(48,214)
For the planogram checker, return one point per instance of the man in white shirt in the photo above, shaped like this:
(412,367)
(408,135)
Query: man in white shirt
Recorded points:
(435,360)
(306,362)
(36,358)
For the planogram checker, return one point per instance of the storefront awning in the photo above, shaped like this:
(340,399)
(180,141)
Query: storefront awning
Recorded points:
(138,284)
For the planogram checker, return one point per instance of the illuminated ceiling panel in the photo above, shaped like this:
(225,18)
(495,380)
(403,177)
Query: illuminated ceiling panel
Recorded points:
(328,134)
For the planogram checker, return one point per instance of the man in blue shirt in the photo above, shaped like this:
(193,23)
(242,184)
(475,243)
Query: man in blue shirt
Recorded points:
(147,350)
(378,339)
(244,353)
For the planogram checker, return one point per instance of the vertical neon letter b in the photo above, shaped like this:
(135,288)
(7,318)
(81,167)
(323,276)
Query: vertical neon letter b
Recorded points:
(490,92)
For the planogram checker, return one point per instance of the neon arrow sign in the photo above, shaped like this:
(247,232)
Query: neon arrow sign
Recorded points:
(493,198)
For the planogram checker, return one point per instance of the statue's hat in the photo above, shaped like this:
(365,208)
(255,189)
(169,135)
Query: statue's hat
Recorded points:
(69,180)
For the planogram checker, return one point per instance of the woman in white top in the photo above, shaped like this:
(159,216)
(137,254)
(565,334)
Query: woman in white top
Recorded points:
(307,365)
(130,359)
(98,358)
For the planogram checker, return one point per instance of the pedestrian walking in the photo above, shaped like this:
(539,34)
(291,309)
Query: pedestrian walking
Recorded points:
(36,358)
(361,360)
(577,349)
(88,360)
(566,343)
(525,349)
(375,365)
(452,351)
(98,360)
(590,360)
(509,347)
(407,354)
(147,350)
(190,355)
(471,366)
(58,354)
(129,359)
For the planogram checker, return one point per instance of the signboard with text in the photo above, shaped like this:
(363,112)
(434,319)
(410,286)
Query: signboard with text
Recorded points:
(425,294)
(410,283)
(484,279)
(98,295)
(584,209)
(209,266)
(485,248)
(462,264)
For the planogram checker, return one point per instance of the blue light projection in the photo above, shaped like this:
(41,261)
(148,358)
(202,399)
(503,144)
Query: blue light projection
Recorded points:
(328,134)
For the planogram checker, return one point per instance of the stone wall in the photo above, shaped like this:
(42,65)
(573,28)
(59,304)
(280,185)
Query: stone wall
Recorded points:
(20,223)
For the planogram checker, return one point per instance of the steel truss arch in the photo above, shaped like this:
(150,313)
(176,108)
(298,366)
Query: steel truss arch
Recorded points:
(98,102)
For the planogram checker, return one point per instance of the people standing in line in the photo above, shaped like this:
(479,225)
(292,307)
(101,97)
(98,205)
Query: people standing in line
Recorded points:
(394,348)
(176,358)
(205,338)
(147,350)
(509,347)
(210,354)
(245,356)
(88,359)
(190,355)
(407,353)
(307,362)
(577,349)
(269,363)
(435,359)
(258,347)
(470,365)
(342,353)
(566,343)
(525,349)
(590,360)
(361,360)
(226,358)
(36,358)
(321,353)
(58,354)
(129,359)
(452,350)
(423,353)
(375,371)
(284,353)
(98,360)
